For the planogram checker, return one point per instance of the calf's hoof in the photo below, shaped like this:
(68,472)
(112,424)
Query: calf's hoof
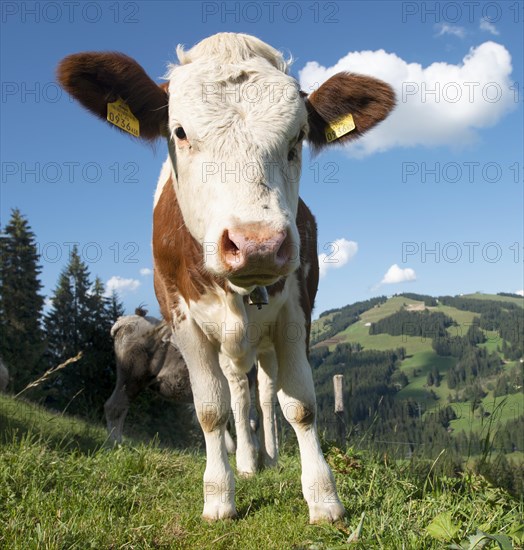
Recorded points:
(246,465)
(214,512)
(326,513)
(246,475)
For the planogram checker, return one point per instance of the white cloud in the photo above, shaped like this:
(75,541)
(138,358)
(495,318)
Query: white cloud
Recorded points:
(441,104)
(485,25)
(145,271)
(339,253)
(519,292)
(396,275)
(121,285)
(454,30)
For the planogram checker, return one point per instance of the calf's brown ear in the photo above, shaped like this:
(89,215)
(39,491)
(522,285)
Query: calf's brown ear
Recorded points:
(96,79)
(345,107)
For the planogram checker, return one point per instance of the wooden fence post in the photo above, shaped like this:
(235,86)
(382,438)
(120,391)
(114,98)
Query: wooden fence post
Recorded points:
(338,381)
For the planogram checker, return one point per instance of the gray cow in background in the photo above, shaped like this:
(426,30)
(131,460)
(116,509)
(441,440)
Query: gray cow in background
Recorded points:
(146,357)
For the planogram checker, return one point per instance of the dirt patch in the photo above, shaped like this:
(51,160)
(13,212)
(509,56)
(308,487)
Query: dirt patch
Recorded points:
(329,342)
(416,307)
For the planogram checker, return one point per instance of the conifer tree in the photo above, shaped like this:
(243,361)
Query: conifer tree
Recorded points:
(68,319)
(80,320)
(99,376)
(21,340)
(116,307)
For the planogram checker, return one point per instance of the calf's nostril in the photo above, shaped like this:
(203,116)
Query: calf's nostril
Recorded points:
(284,251)
(228,244)
(231,248)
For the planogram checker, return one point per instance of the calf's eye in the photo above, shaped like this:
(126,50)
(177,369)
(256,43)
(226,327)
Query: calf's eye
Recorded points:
(292,155)
(180,133)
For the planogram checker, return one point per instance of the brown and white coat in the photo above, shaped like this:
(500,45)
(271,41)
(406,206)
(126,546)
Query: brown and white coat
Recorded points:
(228,219)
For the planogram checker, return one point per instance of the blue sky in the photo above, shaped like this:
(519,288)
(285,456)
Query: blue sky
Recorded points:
(430,202)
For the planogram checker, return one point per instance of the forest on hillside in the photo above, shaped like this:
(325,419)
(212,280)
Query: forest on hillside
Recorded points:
(376,418)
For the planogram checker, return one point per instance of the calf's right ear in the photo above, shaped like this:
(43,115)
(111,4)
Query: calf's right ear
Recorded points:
(96,79)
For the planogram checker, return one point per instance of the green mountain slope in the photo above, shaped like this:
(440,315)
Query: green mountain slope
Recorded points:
(423,382)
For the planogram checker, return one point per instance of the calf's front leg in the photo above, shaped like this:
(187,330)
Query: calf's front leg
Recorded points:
(296,395)
(212,406)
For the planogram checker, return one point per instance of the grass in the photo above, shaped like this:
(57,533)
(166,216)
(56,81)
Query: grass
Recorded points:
(493,341)
(20,418)
(505,408)
(417,388)
(60,487)
(463,319)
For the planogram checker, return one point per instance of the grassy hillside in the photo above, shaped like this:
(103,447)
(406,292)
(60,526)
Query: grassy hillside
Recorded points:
(60,487)
(421,358)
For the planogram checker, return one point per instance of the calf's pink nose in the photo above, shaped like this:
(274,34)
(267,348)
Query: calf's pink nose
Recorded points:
(241,248)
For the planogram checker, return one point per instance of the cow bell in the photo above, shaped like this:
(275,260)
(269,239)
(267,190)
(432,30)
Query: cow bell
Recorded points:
(258,297)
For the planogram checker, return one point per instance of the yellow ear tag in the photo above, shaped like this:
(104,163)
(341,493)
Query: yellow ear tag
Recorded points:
(119,114)
(339,127)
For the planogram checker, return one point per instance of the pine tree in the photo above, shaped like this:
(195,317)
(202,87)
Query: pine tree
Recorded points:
(22,339)
(68,319)
(98,374)
(116,307)
(81,320)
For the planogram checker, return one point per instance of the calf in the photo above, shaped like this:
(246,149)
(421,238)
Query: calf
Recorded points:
(228,225)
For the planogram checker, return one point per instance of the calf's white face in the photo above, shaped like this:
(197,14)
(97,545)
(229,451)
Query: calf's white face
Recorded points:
(237,131)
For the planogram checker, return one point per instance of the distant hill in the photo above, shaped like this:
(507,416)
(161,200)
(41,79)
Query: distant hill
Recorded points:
(332,318)
(423,371)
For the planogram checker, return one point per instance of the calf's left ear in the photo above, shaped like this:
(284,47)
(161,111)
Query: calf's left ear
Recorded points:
(345,107)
